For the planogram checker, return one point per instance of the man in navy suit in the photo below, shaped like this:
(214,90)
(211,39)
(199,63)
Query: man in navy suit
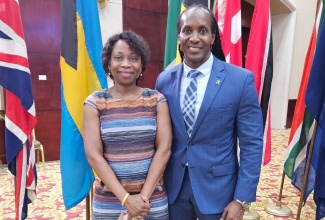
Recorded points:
(204,177)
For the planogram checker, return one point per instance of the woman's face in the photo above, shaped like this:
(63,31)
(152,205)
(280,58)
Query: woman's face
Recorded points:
(125,65)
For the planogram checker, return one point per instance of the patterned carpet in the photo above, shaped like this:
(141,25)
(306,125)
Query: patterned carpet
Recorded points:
(49,204)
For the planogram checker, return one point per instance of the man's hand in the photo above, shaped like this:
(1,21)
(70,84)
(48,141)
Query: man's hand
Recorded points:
(233,211)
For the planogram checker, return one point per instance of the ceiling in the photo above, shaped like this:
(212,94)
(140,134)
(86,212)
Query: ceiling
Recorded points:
(278,6)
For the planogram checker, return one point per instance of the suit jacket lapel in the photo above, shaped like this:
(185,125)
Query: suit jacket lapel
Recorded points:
(176,107)
(215,82)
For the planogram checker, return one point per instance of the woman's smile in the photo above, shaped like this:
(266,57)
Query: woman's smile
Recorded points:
(125,74)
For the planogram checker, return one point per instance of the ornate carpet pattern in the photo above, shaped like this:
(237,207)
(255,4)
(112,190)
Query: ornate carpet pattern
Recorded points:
(49,203)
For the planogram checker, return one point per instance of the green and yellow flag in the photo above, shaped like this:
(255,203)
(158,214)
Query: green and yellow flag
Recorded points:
(174,9)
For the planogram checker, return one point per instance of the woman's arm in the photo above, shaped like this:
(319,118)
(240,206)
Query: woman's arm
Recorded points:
(94,152)
(163,150)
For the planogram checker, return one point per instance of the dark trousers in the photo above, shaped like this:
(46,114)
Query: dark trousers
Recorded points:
(185,207)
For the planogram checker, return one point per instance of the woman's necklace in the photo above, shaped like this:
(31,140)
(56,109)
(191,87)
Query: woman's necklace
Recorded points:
(126,95)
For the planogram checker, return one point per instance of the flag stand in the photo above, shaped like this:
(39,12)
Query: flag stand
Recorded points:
(251,214)
(277,208)
(304,183)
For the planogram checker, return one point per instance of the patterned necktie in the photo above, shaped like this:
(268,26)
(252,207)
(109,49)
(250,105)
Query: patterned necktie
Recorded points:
(189,102)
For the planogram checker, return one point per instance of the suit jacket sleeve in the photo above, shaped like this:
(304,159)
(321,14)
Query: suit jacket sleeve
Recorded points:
(250,136)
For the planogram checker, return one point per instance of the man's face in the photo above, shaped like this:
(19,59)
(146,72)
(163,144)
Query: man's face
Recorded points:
(195,37)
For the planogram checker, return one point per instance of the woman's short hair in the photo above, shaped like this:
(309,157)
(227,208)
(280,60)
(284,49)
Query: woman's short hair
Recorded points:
(137,44)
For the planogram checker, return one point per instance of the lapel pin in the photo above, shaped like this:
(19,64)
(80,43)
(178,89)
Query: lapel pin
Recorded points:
(218,82)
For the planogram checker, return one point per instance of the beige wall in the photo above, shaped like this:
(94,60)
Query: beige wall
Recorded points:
(111,21)
(306,11)
(283,31)
(291,35)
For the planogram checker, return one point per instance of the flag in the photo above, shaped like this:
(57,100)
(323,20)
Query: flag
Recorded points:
(301,131)
(315,103)
(302,128)
(228,16)
(175,8)
(81,74)
(20,117)
(259,59)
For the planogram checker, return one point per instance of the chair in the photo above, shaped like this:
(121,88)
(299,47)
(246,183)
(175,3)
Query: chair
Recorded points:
(38,148)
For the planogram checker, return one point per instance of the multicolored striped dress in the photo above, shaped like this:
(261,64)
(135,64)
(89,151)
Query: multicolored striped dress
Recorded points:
(128,131)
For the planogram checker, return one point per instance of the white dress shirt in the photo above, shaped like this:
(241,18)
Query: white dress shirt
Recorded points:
(202,81)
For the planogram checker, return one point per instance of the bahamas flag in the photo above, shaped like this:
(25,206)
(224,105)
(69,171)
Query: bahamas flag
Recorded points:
(81,73)
(175,8)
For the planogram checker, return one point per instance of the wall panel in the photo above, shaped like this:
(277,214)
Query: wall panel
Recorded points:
(148,19)
(42,27)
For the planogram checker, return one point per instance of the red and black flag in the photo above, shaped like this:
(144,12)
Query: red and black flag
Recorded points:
(259,60)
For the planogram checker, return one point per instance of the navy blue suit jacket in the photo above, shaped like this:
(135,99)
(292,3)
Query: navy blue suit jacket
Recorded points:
(230,115)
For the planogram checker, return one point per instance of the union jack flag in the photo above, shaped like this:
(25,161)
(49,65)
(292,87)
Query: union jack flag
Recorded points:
(20,117)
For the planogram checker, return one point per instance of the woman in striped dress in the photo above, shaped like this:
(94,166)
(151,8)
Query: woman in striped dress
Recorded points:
(127,136)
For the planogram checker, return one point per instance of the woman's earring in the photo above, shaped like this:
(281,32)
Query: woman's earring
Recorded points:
(140,77)
(109,72)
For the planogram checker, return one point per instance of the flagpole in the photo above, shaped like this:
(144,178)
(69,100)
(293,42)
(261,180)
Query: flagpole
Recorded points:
(88,207)
(304,183)
(278,209)
(281,188)
(15,189)
(317,8)
(310,150)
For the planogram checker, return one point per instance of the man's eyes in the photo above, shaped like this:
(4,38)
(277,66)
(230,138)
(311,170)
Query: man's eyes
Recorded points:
(187,31)
(201,31)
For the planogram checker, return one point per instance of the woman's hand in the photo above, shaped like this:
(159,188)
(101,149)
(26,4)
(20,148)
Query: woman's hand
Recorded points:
(137,206)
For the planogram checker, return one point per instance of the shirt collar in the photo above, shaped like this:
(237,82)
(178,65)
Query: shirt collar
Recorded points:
(205,68)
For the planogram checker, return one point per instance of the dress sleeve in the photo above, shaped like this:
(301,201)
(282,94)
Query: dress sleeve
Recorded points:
(161,98)
(91,100)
